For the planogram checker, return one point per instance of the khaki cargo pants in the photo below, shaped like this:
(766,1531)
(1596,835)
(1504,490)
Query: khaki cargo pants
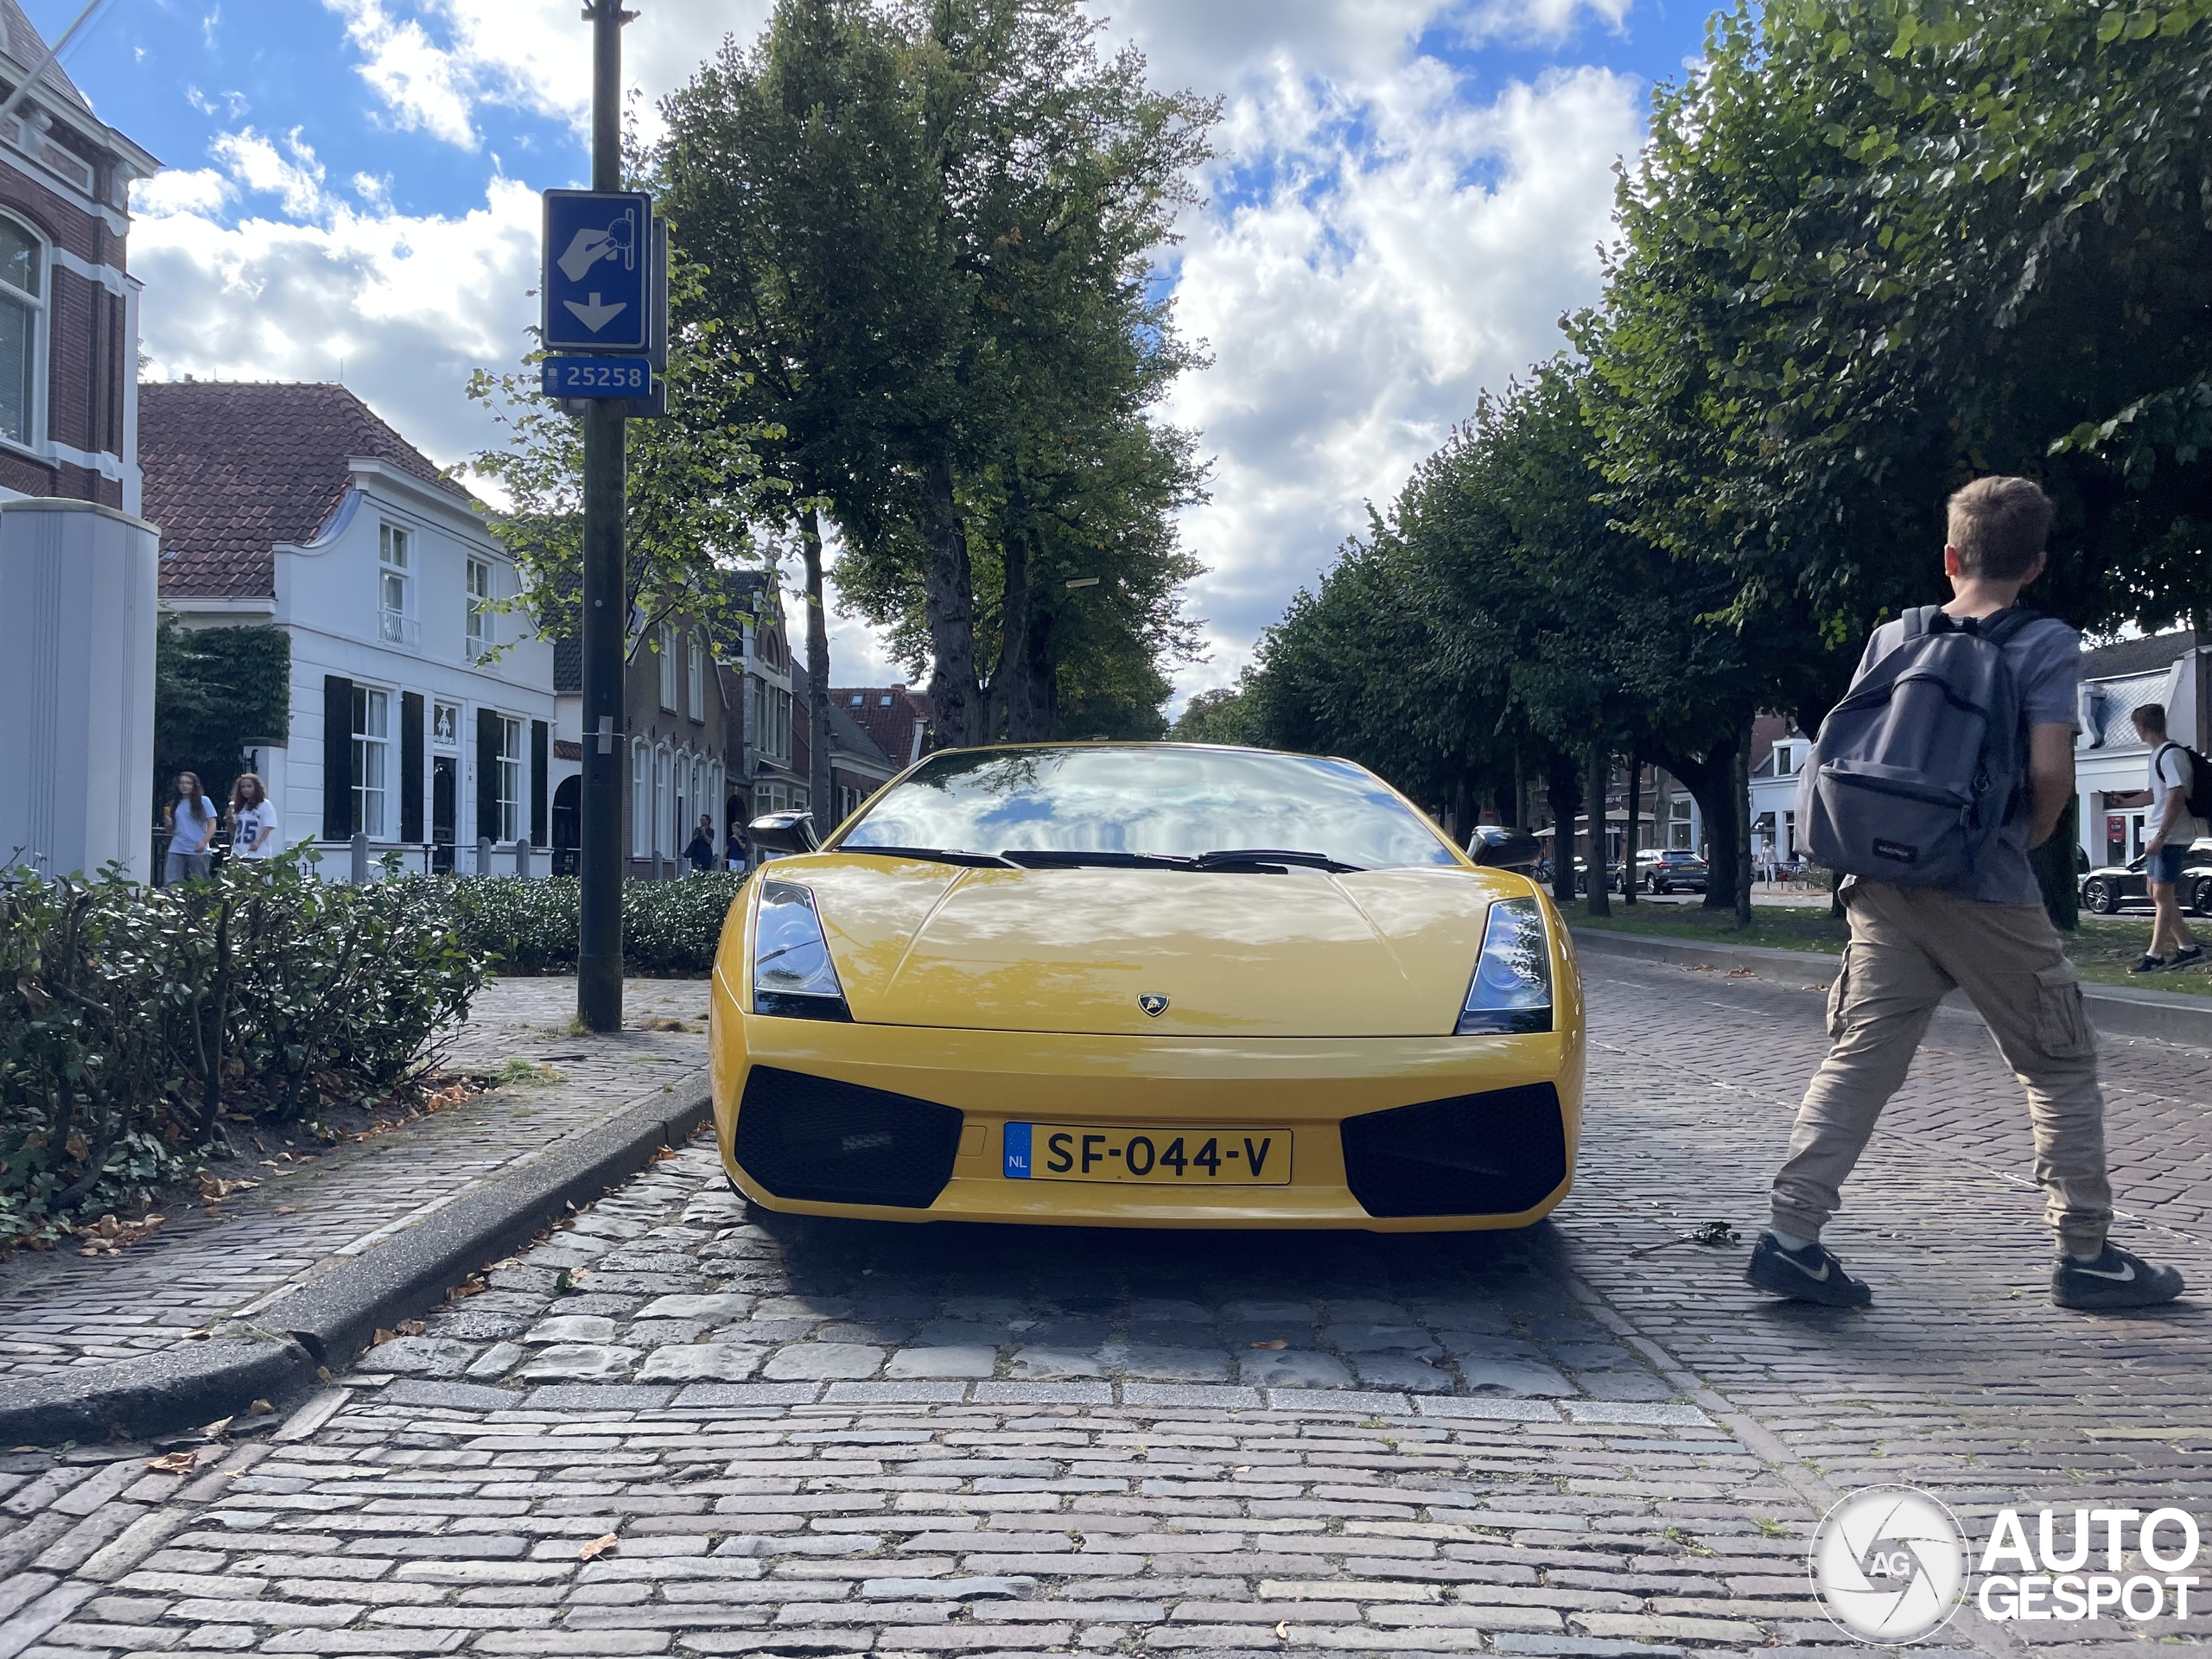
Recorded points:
(1910,947)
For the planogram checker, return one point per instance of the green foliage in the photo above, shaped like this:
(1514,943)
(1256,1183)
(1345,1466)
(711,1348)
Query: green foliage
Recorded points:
(215,690)
(669,929)
(1221,715)
(133,1017)
(695,488)
(929,230)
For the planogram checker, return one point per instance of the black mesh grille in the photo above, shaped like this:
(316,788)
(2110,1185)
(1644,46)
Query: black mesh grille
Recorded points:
(1488,1154)
(827,1142)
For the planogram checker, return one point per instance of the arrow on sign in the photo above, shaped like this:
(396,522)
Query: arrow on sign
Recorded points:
(596,316)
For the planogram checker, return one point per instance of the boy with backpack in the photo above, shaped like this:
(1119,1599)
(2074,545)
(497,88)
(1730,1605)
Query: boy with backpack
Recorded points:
(1952,756)
(2181,794)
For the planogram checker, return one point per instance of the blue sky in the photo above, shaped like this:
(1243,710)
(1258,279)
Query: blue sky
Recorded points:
(1409,193)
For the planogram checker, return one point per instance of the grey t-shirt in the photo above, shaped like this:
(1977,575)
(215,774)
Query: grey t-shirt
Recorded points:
(2045,659)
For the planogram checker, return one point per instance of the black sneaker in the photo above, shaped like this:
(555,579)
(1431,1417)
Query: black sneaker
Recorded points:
(2188,954)
(2151,965)
(2116,1279)
(1807,1275)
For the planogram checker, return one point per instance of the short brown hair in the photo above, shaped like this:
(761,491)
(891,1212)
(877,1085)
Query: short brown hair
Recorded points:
(2151,717)
(1999,526)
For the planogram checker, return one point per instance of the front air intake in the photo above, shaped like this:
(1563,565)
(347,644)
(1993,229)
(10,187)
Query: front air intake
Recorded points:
(1489,1154)
(828,1142)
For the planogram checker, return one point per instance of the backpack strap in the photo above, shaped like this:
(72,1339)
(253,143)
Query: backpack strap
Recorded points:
(2000,629)
(1921,619)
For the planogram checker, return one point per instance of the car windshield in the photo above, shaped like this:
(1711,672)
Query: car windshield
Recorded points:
(1165,801)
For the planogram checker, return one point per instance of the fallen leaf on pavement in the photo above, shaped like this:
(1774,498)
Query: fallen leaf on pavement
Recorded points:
(382,1336)
(262,1408)
(1277,1342)
(217,1429)
(107,1236)
(176,1463)
(598,1547)
(409,1327)
(1282,1629)
(286,1210)
(214,1190)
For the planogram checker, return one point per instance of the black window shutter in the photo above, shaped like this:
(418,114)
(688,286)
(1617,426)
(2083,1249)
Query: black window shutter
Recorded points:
(541,744)
(410,766)
(488,775)
(337,757)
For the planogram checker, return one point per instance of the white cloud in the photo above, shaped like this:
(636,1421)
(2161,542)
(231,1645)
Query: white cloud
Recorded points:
(407,306)
(1409,249)
(256,164)
(426,88)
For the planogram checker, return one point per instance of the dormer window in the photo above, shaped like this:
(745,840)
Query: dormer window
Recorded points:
(22,329)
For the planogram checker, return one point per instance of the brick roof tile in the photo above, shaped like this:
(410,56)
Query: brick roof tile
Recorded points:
(233,468)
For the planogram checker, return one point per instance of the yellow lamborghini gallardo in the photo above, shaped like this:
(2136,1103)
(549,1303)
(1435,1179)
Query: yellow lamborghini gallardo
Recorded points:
(1145,985)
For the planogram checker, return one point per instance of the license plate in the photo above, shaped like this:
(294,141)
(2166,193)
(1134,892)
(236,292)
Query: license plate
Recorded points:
(1069,1152)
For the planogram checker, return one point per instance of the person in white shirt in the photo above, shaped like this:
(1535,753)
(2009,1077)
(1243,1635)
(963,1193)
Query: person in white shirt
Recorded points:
(253,819)
(2172,828)
(190,820)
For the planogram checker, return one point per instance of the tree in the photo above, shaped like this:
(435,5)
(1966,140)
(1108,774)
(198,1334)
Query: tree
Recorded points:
(694,493)
(928,226)
(216,691)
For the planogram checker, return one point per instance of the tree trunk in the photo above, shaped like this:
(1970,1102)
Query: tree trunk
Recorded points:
(949,595)
(1601,764)
(1630,848)
(1562,789)
(1739,800)
(1463,807)
(1708,777)
(821,784)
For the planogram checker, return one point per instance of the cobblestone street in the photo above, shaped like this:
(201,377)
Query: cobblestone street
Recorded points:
(669,1428)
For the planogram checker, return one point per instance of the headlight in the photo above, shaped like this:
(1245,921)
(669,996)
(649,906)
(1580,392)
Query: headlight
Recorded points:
(792,976)
(1512,989)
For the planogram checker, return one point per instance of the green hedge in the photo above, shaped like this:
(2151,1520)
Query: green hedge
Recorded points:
(131,1018)
(669,929)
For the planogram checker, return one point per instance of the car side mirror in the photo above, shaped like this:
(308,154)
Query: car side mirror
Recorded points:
(787,833)
(1507,849)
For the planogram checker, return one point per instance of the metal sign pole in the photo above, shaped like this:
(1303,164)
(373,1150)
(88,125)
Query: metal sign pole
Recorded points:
(606,620)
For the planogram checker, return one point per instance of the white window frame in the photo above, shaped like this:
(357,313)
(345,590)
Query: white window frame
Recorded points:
(481,585)
(395,574)
(507,768)
(667,655)
(371,759)
(664,797)
(641,801)
(42,312)
(694,677)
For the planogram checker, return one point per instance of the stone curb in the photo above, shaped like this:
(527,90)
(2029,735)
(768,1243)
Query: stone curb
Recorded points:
(329,1320)
(2116,1010)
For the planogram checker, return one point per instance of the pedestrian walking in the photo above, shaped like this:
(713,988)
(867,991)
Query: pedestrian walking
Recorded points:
(190,819)
(2173,828)
(1972,702)
(253,819)
(701,851)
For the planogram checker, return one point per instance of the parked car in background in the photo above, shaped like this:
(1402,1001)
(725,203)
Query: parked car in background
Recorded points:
(2109,886)
(1665,869)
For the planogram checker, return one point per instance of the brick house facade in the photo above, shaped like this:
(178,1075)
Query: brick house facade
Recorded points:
(68,306)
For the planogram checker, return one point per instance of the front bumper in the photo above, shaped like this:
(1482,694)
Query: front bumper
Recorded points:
(1307,1087)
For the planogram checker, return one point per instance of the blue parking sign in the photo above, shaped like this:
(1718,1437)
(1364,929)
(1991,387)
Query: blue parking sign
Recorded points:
(597,279)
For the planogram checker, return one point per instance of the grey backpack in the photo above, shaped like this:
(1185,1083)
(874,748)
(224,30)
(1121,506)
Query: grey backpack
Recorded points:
(1915,771)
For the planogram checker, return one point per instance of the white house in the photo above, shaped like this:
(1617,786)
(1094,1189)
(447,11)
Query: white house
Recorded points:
(2111,764)
(421,717)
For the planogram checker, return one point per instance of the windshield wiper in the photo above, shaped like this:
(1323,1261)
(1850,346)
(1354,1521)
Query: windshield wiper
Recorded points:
(1247,858)
(936,855)
(1071,858)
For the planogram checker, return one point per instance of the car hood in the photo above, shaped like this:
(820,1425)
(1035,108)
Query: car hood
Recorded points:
(1374,953)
